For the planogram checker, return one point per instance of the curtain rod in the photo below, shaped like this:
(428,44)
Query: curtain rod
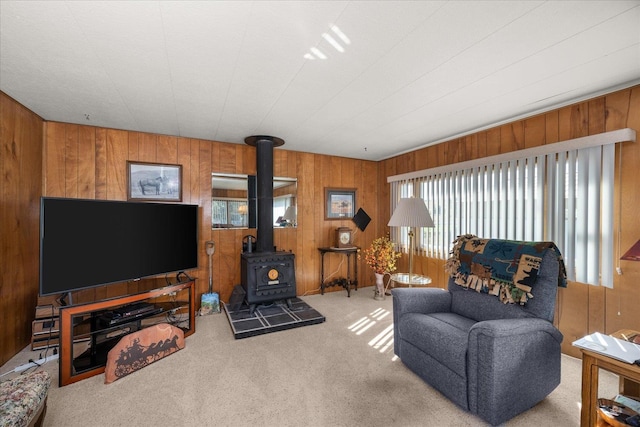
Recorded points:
(620,135)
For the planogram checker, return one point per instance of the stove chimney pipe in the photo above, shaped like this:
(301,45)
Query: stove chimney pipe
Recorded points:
(264,168)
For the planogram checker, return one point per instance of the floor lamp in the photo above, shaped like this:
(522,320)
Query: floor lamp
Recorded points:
(412,213)
(290,216)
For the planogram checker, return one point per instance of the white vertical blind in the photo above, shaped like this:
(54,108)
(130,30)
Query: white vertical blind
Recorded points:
(560,192)
(606,230)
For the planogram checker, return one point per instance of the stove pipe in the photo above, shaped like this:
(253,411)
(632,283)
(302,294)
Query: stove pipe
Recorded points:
(264,180)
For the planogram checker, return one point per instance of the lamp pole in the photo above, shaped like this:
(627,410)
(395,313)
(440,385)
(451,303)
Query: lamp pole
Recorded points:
(410,256)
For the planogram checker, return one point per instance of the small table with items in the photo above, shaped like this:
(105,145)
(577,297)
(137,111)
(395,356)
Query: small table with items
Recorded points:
(403,279)
(341,281)
(592,362)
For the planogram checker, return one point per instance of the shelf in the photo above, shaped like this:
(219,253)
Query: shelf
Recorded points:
(87,332)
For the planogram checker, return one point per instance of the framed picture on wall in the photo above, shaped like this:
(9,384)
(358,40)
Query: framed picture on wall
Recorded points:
(154,181)
(340,203)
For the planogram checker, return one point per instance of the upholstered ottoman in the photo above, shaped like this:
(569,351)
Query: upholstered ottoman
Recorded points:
(23,400)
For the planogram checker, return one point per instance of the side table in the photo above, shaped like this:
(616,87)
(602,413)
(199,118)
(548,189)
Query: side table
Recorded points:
(627,387)
(341,281)
(403,279)
(592,362)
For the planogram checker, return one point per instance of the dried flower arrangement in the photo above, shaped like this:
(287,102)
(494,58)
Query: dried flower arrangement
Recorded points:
(381,256)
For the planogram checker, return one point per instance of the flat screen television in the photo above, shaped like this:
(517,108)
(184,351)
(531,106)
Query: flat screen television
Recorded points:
(87,243)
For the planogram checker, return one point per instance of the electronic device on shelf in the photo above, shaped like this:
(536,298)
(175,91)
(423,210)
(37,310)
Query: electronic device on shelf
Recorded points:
(128,313)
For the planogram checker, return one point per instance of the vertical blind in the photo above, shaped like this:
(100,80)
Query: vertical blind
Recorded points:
(560,192)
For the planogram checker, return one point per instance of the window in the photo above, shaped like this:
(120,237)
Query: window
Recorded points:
(280,205)
(229,213)
(559,192)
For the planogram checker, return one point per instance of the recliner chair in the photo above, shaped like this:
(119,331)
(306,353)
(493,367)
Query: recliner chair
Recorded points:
(492,358)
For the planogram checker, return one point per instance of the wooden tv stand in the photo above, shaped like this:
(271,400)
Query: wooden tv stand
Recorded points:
(89,331)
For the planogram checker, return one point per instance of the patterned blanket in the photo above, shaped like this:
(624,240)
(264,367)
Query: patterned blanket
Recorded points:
(504,268)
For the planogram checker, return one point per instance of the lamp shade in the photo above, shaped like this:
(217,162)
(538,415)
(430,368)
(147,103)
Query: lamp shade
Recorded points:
(411,212)
(290,214)
(633,254)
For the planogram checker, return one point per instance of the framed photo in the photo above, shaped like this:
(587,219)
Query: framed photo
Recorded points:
(154,181)
(340,203)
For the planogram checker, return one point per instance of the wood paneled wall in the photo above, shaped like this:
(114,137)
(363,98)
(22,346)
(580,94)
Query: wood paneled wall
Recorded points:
(90,162)
(20,191)
(582,309)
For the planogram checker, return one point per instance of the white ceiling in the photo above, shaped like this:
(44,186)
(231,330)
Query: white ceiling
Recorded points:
(413,73)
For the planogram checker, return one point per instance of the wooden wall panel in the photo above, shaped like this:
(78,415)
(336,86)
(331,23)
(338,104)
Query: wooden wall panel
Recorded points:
(511,137)
(21,163)
(581,308)
(117,151)
(534,132)
(147,147)
(54,162)
(101,163)
(552,127)
(71,162)
(87,168)
(227,160)
(482,146)
(167,151)
(572,319)
(597,116)
(492,141)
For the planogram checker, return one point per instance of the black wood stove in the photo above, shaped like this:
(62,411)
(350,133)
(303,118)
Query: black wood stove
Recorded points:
(267,275)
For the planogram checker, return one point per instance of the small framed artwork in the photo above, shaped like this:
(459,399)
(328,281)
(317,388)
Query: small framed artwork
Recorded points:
(154,181)
(340,203)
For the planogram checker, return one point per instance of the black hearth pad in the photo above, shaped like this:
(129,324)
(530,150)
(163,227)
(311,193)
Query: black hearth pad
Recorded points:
(272,317)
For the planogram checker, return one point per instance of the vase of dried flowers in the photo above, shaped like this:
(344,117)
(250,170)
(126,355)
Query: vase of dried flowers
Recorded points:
(381,257)
(379,292)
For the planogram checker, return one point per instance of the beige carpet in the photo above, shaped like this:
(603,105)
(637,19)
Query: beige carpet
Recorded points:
(338,373)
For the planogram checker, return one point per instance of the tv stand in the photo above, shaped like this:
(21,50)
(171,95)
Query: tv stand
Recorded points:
(89,331)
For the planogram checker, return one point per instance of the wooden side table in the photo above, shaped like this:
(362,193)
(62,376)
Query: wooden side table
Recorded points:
(344,282)
(591,364)
(627,387)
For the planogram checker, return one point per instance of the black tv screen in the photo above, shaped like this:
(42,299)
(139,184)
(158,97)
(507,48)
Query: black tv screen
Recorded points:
(86,243)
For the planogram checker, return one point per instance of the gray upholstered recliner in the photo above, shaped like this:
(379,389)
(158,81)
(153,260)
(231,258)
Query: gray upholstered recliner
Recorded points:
(493,359)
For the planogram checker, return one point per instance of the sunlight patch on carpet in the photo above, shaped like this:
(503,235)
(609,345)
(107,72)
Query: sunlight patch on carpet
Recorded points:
(383,340)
